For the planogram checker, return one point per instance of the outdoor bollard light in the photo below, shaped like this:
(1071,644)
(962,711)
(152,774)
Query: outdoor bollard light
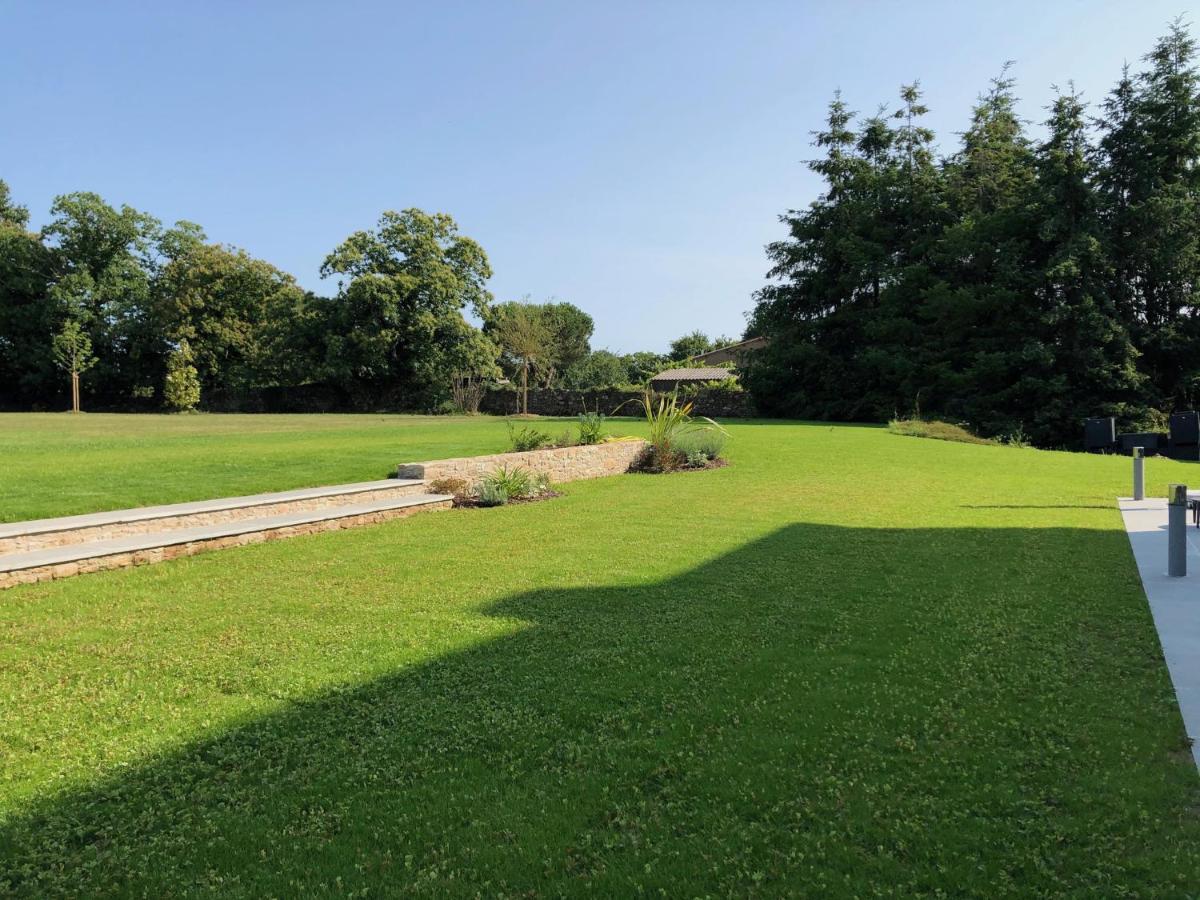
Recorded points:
(1139,474)
(1177,530)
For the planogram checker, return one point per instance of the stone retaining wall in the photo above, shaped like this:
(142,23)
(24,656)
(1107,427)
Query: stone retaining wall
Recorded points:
(191,548)
(46,540)
(559,464)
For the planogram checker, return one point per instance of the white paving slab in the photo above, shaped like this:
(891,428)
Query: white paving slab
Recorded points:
(1174,602)
(143,513)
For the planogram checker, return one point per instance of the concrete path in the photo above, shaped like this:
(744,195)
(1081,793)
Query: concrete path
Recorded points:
(1174,602)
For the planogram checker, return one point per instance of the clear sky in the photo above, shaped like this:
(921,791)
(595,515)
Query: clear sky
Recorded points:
(631,158)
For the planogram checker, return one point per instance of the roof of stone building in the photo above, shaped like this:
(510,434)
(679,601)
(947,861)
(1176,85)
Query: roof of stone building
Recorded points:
(707,373)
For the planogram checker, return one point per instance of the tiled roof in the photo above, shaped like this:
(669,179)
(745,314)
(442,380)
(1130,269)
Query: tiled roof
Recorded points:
(704,374)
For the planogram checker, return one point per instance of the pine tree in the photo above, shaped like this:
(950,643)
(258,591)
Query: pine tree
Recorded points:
(1094,362)
(1151,186)
(987,359)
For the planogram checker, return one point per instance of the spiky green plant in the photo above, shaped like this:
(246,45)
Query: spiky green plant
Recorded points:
(515,482)
(667,420)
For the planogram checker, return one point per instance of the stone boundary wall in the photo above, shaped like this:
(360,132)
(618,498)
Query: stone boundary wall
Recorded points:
(559,464)
(191,548)
(554,402)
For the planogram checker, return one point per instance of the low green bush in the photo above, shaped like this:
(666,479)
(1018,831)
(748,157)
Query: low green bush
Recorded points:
(515,483)
(527,438)
(491,494)
(591,427)
(703,445)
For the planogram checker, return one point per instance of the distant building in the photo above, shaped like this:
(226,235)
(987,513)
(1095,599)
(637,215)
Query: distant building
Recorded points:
(676,378)
(729,353)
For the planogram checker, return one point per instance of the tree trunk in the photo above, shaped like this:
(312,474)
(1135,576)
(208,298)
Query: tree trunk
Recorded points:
(74,392)
(525,388)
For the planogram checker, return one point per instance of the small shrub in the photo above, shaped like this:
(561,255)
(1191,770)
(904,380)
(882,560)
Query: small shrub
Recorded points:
(491,494)
(467,391)
(526,438)
(458,487)
(591,428)
(1153,420)
(181,389)
(696,459)
(515,483)
(566,439)
(708,444)
(939,431)
(1016,438)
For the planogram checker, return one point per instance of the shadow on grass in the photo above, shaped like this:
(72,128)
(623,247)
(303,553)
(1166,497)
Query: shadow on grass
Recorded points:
(1108,506)
(826,710)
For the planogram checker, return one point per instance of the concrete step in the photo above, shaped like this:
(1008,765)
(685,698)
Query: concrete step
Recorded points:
(137,549)
(40,534)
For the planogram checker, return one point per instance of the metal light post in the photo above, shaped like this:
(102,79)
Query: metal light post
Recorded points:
(1139,474)
(1177,530)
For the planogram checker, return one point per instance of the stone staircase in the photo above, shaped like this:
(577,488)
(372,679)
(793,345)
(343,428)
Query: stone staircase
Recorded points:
(45,549)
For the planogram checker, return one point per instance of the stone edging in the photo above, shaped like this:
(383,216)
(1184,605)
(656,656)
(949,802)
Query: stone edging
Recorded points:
(559,464)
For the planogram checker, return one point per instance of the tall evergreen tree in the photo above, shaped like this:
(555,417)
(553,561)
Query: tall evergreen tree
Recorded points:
(1151,183)
(1094,361)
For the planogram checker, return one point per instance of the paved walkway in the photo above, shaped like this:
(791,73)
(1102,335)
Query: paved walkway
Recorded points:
(1174,602)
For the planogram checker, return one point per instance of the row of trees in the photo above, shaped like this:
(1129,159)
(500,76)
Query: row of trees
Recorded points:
(158,315)
(1014,284)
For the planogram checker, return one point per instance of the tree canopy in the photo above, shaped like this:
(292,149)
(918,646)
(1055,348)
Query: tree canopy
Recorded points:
(1015,284)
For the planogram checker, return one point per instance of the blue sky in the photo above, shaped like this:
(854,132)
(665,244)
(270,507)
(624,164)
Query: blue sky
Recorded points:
(631,158)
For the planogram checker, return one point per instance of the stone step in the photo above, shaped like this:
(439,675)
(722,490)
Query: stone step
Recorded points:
(41,534)
(137,549)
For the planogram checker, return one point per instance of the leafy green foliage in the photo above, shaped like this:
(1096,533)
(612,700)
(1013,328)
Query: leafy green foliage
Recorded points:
(226,305)
(705,443)
(667,420)
(72,349)
(598,370)
(181,389)
(399,320)
(521,333)
(1012,284)
(526,438)
(489,493)
(591,427)
(694,344)
(515,483)
(545,342)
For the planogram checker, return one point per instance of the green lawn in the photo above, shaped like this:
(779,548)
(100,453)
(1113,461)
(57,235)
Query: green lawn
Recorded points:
(850,664)
(58,464)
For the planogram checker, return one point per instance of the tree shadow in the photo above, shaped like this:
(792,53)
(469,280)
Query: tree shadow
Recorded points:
(1105,506)
(825,710)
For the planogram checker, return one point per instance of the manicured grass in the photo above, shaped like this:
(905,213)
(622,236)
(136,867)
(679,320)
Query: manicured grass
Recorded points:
(850,664)
(58,464)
